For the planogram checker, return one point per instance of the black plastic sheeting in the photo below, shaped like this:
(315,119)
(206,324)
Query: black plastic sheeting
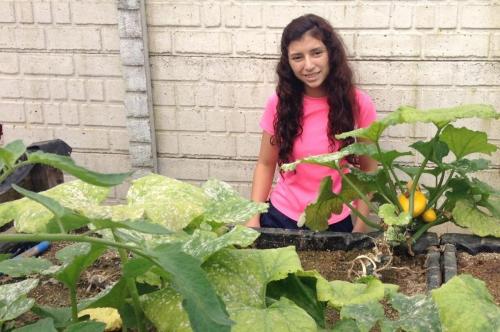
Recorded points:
(55,146)
(471,243)
(433,268)
(311,240)
(449,262)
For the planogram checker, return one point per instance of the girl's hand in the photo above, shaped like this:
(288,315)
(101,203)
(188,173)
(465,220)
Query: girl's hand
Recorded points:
(254,222)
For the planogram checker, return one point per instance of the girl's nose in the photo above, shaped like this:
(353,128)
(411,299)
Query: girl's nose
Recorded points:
(308,63)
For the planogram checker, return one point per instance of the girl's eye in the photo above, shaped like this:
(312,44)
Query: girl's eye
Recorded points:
(296,58)
(318,52)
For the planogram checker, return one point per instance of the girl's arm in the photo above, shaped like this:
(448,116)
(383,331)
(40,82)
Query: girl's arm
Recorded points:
(263,174)
(366,164)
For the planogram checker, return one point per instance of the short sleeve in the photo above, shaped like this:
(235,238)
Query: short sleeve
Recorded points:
(267,119)
(366,110)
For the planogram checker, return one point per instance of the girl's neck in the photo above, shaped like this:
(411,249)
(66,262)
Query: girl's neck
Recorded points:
(315,92)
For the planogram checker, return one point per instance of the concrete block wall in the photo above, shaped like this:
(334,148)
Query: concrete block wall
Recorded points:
(61,77)
(213,68)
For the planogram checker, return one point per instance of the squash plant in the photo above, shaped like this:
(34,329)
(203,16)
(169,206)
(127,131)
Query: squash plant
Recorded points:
(407,207)
(184,269)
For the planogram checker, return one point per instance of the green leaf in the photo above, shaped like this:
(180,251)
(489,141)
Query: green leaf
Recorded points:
(205,309)
(388,157)
(13,301)
(465,166)
(167,201)
(331,159)
(60,316)
(67,165)
(464,304)
(137,225)
(227,206)
(44,325)
(24,266)
(388,213)
(434,150)
(465,214)
(70,273)
(407,114)
(317,214)
(365,314)
(346,325)
(416,314)
(342,293)
(203,244)
(463,141)
(112,297)
(87,326)
(301,289)
(32,217)
(11,152)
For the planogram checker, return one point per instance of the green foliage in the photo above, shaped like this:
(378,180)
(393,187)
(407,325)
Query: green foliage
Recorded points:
(24,266)
(13,300)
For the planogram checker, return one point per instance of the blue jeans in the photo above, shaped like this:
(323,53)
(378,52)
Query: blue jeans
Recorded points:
(273,218)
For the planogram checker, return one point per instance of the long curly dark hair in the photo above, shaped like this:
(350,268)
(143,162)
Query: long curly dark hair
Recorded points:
(339,87)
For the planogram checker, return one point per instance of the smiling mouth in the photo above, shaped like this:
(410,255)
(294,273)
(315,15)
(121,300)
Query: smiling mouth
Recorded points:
(311,76)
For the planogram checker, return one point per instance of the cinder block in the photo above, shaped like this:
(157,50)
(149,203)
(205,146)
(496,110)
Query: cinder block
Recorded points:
(8,63)
(456,45)
(73,38)
(176,68)
(129,4)
(61,12)
(211,15)
(95,90)
(361,16)
(139,130)
(167,143)
(103,162)
(252,95)
(110,38)
(420,73)
(190,120)
(35,89)
(114,90)
(495,45)
(425,16)
(94,12)
(98,65)
(401,16)
(184,168)
(24,11)
(51,114)
(134,78)
(248,146)
(28,38)
(480,16)
(252,15)
(132,51)
(163,94)
(12,112)
(58,90)
(216,120)
(224,95)
(184,95)
(159,41)
(233,70)
(118,140)
(207,145)
(69,113)
(29,134)
(7,14)
(251,41)
(446,16)
(102,115)
(165,118)
(477,73)
(278,16)
(41,11)
(141,155)
(85,138)
(34,112)
(46,64)
(136,105)
(178,14)
(10,88)
(252,119)
(202,42)
(129,24)
(231,16)
(231,170)
(204,95)
(235,121)
(76,89)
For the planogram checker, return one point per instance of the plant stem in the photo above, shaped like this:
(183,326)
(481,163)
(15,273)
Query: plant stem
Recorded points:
(385,169)
(362,217)
(356,189)
(74,304)
(9,170)
(425,227)
(132,288)
(442,190)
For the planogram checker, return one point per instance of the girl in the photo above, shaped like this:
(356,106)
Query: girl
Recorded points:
(315,99)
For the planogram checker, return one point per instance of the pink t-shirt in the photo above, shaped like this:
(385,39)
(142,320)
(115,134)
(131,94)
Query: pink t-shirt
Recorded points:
(295,190)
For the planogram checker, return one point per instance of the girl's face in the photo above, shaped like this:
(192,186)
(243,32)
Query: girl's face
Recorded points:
(308,58)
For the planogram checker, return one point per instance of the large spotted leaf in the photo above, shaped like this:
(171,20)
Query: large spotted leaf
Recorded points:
(479,223)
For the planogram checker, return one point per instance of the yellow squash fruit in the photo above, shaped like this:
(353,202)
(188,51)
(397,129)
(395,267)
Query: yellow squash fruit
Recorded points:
(109,316)
(429,215)
(419,203)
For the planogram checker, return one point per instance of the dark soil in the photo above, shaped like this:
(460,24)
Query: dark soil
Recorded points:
(485,266)
(407,272)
